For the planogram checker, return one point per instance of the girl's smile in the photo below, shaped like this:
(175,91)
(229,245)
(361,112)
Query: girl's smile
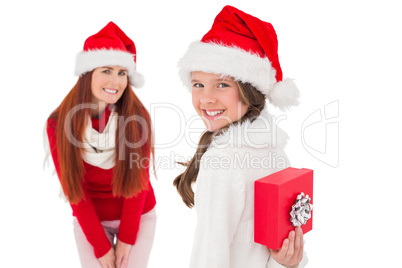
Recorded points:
(216,99)
(212,114)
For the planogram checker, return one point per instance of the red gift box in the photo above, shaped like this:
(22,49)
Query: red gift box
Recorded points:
(274,196)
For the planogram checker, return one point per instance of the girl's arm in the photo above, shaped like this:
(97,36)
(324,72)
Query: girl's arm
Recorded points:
(84,210)
(219,200)
(292,253)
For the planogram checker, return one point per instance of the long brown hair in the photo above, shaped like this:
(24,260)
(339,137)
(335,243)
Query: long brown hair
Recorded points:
(250,96)
(128,179)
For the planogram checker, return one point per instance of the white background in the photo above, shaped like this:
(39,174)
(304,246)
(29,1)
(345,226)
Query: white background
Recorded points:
(344,54)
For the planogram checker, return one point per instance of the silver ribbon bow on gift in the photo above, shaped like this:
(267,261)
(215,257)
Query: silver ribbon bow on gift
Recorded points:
(301,210)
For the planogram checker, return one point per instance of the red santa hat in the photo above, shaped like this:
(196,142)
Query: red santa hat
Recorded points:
(246,48)
(110,46)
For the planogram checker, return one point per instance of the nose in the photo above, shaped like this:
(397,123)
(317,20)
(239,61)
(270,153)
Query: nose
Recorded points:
(114,79)
(207,96)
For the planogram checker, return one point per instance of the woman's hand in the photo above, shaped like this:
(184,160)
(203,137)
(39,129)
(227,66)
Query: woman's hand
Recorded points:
(122,251)
(291,252)
(107,260)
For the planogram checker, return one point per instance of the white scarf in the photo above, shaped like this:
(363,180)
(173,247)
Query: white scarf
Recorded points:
(99,147)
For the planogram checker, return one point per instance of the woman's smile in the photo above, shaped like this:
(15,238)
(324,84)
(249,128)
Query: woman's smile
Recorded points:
(110,90)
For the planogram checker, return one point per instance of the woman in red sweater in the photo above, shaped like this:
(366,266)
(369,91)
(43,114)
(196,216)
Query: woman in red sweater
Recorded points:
(101,142)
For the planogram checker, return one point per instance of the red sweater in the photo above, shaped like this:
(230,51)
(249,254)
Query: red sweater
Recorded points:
(100,204)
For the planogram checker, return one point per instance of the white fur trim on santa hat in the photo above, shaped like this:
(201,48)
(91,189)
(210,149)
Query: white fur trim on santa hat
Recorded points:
(232,61)
(242,66)
(89,60)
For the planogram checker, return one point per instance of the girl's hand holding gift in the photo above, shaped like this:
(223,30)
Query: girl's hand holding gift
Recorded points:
(291,252)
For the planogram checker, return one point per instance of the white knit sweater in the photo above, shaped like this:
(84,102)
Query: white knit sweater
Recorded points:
(224,196)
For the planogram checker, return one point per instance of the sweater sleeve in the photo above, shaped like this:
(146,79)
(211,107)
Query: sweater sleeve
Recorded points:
(220,200)
(84,210)
(130,218)
(131,215)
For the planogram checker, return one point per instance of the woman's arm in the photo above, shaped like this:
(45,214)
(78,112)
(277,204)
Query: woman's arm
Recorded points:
(84,210)
(129,225)
(130,218)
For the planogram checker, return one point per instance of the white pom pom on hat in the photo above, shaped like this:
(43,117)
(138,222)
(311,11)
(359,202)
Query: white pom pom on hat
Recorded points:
(110,46)
(284,94)
(246,48)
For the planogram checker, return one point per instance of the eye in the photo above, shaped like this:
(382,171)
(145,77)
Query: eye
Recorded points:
(221,85)
(122,73)
(198,85)
(106,71)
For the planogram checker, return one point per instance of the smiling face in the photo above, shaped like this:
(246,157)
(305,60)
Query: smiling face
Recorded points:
(108,84)
(216,100)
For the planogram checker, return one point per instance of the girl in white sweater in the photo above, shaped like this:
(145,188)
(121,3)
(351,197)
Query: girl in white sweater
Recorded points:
(231,72)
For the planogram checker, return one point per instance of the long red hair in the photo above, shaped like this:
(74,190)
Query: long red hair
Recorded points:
(129,179)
